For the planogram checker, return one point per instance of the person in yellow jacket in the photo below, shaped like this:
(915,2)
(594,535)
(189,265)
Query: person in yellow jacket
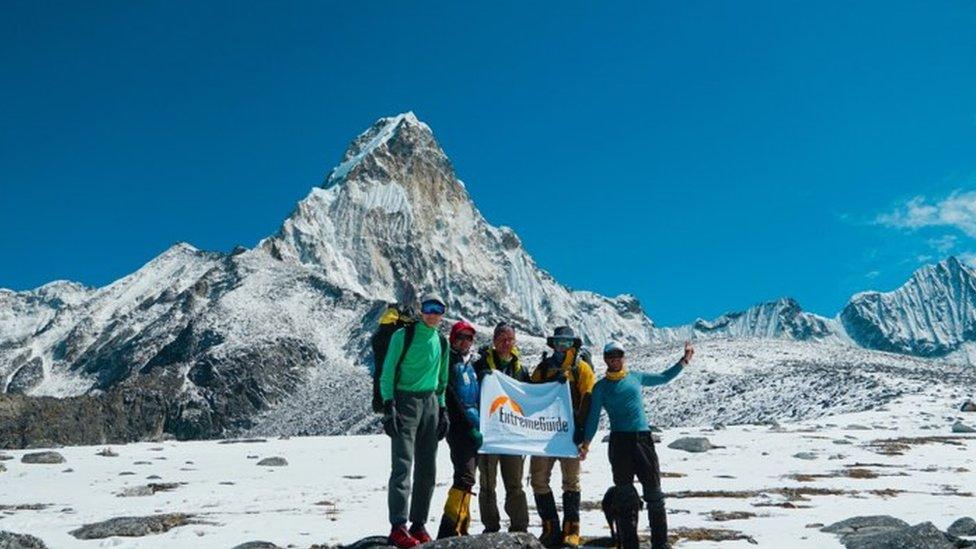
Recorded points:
(565,365)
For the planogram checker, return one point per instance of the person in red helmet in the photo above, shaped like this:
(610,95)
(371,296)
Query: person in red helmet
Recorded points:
(464,434)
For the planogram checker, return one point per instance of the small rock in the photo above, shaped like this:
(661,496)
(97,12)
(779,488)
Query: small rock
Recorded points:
(10,540)
(3,468)
(842,441)
(968,406)
(148,490)
(273,462)
(242,441)
(257,545)
(46,458)
(805,455)
(856,427)
(106,452)
(68,470)
(691,444)
(960,427)
(965,526)
(5,457)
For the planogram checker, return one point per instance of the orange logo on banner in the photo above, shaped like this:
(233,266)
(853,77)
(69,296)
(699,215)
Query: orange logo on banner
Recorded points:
(500,401)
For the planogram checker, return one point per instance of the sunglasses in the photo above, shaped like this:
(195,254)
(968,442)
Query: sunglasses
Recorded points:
(432,308)
(563,341)
(613,354)
(464,337)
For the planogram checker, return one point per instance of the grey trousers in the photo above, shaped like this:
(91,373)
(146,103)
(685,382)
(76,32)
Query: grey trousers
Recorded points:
(415,446)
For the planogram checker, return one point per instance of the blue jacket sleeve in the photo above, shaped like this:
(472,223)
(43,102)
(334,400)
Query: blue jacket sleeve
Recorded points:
(593,416)
(650,380)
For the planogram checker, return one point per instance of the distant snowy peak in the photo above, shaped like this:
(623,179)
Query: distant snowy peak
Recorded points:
(393,220)
(932,314)
(782,318)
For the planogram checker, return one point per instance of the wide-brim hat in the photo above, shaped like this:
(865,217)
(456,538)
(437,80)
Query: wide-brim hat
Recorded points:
(563,332)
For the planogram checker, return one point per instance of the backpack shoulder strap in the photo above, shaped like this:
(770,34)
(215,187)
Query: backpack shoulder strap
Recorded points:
(408,332)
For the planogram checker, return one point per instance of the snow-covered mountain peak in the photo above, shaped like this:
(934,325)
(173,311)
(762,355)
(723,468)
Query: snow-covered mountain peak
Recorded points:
(393,221)
(932,314)
(781,318)
(386,135)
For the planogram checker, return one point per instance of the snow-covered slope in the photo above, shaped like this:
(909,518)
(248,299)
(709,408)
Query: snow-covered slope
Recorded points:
(761,486)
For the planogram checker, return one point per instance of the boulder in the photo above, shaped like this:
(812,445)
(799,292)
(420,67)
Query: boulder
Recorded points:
(805,455)
(273,462)
(886,532)
(865,524)
(10,540)
(965,526)
(132,526)
(257,545)
(968,406)
(960,427)
(46,458)
(691,444)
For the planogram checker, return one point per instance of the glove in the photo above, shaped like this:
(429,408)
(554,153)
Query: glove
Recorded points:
(391,424)
(560,376)
(477,437)
(443,423)
(578,435)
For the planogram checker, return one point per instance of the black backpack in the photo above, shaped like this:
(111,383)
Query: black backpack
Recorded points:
(381,343)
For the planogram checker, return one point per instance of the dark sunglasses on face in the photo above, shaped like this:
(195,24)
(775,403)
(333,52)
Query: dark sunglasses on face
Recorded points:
(464,337)
(432,308)
(613,355)
(563,341)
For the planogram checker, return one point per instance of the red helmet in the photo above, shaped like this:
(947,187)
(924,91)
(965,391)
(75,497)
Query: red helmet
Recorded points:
(461,326)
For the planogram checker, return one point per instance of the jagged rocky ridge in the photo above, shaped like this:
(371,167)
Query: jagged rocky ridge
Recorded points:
(931,315)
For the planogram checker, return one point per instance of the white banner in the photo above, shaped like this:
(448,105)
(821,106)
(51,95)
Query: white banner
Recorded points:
(527,419)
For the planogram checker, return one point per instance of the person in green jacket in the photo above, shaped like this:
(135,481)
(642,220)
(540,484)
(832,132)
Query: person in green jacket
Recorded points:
(412,387)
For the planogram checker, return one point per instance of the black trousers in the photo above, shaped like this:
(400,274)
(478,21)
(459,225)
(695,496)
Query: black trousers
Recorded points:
(464,458)
(633,454)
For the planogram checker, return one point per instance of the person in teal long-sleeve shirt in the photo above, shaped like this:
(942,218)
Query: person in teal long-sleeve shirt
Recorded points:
(631,445)
(412,387)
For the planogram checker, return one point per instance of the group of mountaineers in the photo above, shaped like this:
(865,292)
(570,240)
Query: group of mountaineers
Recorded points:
(428,388)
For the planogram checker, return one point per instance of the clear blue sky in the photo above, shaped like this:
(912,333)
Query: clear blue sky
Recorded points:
(702,155)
